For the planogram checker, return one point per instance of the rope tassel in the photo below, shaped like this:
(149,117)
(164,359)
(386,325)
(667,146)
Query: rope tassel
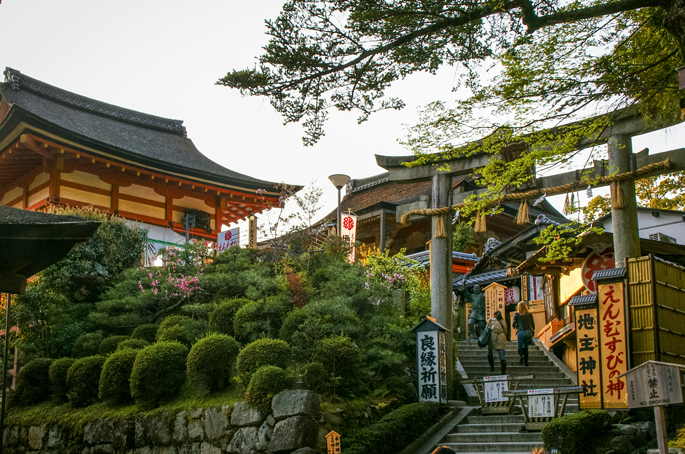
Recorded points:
(617,201)
(522,216)
(440,231)
(480,223)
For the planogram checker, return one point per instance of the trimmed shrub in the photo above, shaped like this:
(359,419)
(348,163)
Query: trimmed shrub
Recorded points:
(58,377)
(147,332)
(315,377)
(158,372)
(259,319)
(395,431)
(262,352)
(33,383)
(181,329)
(83,380)
(578,432)
(135,344)
(221,319)
(87,344)
(342,361)
(115,378)
(211,362)
(265,384)
(109,344)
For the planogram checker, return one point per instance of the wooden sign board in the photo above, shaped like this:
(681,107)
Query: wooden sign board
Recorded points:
(588,357)
(495,295)
(333,442)
(431,357)
(613,342)
(654,383)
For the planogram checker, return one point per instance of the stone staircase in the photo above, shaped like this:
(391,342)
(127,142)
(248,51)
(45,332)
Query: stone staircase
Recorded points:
(498,434)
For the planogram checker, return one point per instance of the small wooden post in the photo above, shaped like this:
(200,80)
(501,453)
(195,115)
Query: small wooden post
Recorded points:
(660,421)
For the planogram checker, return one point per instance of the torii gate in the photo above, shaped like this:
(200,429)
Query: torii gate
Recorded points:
(623,165)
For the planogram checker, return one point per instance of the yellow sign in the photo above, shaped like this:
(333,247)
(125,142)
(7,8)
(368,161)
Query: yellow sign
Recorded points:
(333,442)
(612,339)
(589,358)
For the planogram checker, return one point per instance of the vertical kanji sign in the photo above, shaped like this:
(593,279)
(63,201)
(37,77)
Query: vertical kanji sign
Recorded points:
(589,358)
(431,361)
(333,443)
(349,229)
(613,344)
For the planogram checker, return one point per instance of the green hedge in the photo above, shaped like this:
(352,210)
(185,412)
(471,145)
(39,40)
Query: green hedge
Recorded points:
(87,344)
(58,377)
(259,319)
(147,332)
(135,344)
(83,380)
(265,384)
(262,352)
(342,361)
(181,329)
(109,344)
(395,431)
(221,319)
(115,379)
(577,432)
(158,372)
(211,362)
(33,383)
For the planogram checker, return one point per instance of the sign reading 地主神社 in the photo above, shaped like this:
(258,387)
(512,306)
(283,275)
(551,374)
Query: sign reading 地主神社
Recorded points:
(589,357)
(227,238)
(431,361)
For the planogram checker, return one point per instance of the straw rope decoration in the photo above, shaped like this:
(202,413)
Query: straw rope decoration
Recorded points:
(616,189)
(440,231)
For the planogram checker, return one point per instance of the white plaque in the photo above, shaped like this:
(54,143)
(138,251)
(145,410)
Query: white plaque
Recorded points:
(493,389)
(540,405)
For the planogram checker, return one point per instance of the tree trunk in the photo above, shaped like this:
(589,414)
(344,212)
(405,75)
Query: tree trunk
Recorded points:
(674,22)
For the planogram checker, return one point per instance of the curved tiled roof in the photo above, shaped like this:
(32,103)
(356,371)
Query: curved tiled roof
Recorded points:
(153,141)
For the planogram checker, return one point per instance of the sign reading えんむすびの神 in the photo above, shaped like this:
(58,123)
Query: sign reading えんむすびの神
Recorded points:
(613,344)
(431,361)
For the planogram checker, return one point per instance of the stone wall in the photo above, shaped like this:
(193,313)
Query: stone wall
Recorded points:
(294,425)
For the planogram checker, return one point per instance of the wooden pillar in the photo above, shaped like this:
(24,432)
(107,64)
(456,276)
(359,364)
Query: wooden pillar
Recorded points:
(441,268)
(624,220)
(382,232)
(660,422)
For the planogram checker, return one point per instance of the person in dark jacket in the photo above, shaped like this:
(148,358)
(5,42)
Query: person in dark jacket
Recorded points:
(525,326)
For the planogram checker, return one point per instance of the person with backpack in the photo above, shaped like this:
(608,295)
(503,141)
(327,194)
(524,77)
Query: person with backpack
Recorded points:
(525,326)
(498,341)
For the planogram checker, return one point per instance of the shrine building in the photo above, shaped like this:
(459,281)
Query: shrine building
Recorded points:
(61,148)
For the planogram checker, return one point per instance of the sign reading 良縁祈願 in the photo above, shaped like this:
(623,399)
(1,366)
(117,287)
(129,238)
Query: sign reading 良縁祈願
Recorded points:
(431,360)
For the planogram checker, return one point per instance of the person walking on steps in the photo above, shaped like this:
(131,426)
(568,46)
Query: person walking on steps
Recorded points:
(525,326)
(498,341)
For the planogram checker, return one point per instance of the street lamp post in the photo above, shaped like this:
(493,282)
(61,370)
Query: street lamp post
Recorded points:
(339,181)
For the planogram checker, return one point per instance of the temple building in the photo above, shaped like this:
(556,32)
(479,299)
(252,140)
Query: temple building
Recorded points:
(61,148)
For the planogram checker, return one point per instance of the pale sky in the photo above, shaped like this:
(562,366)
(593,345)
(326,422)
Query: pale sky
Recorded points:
(163,58)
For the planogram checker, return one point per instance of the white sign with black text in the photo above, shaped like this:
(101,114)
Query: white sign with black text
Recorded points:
(541,403)
(494,386)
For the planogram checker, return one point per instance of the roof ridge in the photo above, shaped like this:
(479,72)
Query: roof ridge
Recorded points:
(18,81)
(360,184)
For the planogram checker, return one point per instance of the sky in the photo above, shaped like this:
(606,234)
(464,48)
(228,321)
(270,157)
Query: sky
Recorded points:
(163,58)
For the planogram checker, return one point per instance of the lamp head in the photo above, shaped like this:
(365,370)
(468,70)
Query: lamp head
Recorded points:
(339,180)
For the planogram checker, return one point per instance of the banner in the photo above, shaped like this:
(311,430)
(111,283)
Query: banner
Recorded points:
(228,238)
(349,229)
(589,358)
(612,339)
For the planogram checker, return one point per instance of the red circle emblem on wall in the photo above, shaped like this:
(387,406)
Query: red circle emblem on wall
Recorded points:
(595,262)
(348,223)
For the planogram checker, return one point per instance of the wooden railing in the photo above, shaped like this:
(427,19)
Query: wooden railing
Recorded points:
(491,397)
(540,406)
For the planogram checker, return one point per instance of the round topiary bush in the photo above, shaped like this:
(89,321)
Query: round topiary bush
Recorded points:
(221,319)
(135,344)
(259,319)
(109,344)
(146,332)
(182,329)
(33,383)
(211,362)
(115,378)
(265,384)
(83,380)
(315,377)
(342,361)
(87,344)
(158,372)
(58,377)
(262,352)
